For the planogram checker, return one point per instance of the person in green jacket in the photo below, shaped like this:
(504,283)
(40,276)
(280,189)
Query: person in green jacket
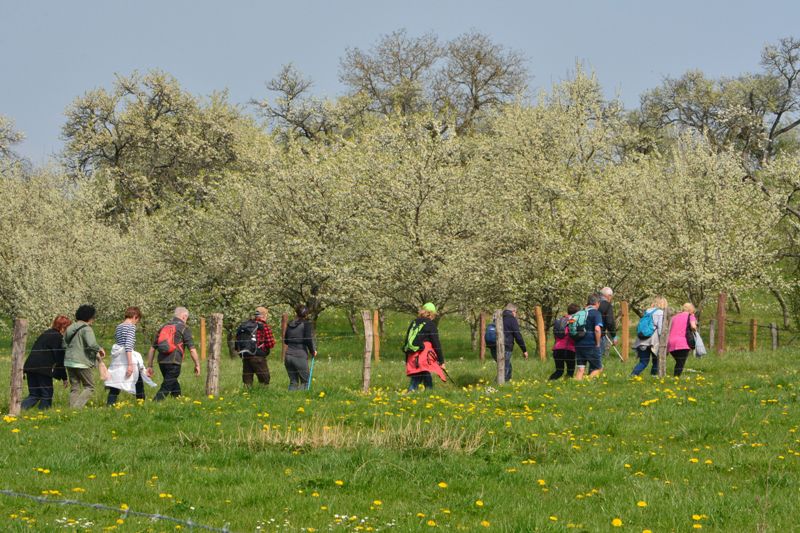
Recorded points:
(81,355)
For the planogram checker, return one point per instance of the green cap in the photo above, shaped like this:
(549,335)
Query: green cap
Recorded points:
(429,307)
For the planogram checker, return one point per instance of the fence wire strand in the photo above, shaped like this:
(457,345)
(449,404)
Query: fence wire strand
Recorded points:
(123,512)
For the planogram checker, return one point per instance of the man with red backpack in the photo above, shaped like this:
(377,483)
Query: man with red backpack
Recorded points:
(170,342)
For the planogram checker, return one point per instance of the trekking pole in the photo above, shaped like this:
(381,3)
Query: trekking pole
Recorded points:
(449,378)
(615,348)
(310,373)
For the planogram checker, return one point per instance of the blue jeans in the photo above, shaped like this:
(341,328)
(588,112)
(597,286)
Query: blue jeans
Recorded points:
(423,378)
(645,355)
(507,361)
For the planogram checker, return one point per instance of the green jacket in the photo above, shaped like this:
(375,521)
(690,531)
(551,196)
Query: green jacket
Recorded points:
(81,352)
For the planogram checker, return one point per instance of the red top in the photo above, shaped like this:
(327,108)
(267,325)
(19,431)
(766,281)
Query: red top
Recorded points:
(265,340)
(566,343)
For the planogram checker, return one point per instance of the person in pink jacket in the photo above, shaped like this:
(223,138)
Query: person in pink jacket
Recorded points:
(564,348)
(677,344)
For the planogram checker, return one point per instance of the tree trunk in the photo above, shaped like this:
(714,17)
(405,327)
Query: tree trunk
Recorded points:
(352,318)
(784,308)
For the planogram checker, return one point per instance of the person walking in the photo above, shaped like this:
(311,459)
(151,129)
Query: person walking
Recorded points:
(45,363)
(587,345)
(171,342)
(564,347)
(423,349)
(300,345)
(683,325)
(606,308)
(254,340)
(126,363)
(81,355)
(652,323)
(511,333)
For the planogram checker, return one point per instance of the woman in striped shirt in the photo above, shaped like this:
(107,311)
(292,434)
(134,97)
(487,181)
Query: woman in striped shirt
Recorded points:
(125,336)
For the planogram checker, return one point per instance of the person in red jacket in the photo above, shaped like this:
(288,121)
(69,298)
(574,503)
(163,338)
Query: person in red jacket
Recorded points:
(423,349)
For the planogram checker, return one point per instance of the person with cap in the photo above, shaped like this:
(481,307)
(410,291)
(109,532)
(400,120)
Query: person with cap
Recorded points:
(423,349)
(254,358)
(299,341)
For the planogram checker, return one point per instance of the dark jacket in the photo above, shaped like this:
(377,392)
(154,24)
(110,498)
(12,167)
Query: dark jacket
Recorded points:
(607,312)
(299,338)
(429,333)
(511,332)
(47,356)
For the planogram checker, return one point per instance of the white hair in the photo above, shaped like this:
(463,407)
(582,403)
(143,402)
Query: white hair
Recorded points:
(606,291)
(180,311)
(511,307)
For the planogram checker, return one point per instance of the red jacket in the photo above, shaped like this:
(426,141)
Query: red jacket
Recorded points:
(424,360)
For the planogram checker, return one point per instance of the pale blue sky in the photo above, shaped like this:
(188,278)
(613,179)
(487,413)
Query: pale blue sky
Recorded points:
(52,51)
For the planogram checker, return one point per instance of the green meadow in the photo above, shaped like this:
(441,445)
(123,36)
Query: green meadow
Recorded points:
(717,449)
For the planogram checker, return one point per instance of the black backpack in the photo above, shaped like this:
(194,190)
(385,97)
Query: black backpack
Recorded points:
(560,327)
(245,343)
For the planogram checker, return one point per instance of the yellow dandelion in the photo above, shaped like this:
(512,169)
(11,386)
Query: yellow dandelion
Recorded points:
(339,482)
(442,485)
(697,526)
(554,518)
(485,523)
(697,517)
(431,523)
(377,503)
(641,503)
(479,503)
(616,522)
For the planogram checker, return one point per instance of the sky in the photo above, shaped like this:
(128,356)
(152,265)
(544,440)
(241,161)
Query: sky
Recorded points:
(52,51)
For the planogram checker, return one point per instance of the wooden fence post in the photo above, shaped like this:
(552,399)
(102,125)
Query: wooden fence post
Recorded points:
(541,333)
(501,349)
(722,311)
(712,329)
(482,326)
(662,343)
(376,333)
(203,339)
(625,330)
(284,323)
(753,334)
(773,329)
(366,375)
(212,379)
(17,362)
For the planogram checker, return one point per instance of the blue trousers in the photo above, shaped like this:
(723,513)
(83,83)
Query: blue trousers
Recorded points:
(645,355)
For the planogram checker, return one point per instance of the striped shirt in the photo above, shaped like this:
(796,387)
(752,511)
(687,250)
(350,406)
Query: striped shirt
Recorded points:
(125,336)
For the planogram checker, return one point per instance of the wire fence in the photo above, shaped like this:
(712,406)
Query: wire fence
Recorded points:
(123,512)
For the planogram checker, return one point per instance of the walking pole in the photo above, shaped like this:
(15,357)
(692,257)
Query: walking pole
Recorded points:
(311,373)
(450,379)
(615,348)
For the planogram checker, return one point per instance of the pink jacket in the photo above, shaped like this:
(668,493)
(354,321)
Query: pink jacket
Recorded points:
(567,343)
(677,331)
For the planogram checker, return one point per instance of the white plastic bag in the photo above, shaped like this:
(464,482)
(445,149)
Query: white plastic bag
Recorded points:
(699,345)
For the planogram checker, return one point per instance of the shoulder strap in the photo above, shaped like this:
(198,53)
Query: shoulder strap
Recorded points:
(74,333)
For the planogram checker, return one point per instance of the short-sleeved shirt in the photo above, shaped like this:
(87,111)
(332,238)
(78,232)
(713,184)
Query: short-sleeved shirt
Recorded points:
(125,336)
(176,357)
(593,319)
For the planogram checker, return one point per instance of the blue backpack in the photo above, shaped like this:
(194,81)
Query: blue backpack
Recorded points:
(646,327)
(491,335)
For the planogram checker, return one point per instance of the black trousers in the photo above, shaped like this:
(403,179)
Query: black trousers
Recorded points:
(40,390)
(565,360)
(680,360)
(170,386)
(114,393)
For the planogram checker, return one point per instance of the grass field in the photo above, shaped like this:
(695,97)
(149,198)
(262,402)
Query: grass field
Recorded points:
(718,449)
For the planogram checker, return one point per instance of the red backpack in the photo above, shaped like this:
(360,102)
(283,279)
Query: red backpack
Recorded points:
(166,342)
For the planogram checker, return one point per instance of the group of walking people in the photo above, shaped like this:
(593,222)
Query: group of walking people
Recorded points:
(69,351)
(574,354)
